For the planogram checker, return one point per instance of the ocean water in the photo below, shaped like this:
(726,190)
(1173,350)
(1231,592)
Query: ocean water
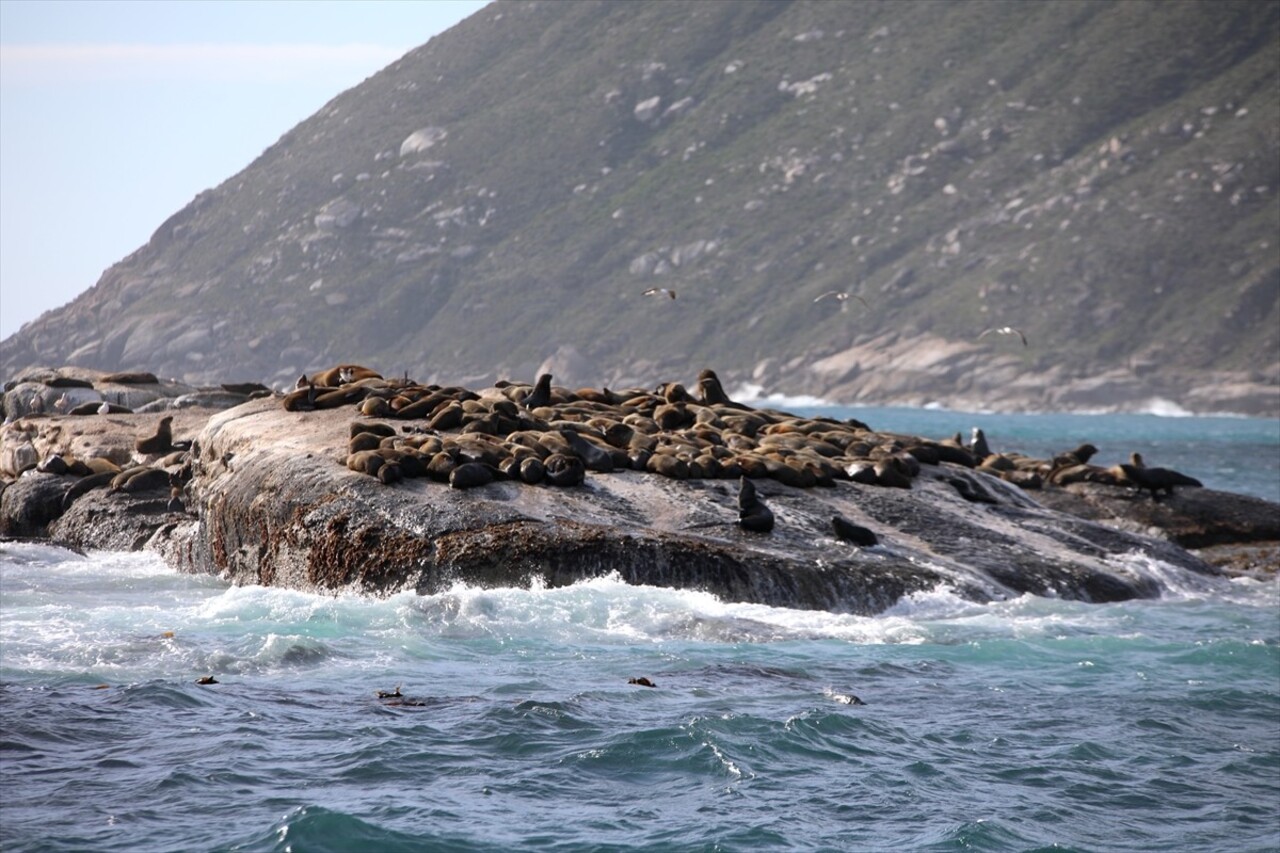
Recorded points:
(940,725)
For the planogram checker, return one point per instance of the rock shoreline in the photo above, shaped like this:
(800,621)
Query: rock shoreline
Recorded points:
(266,495)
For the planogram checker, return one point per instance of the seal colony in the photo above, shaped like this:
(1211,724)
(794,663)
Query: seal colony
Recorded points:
(543,434)
(552,435)
(356,480)
(546,435)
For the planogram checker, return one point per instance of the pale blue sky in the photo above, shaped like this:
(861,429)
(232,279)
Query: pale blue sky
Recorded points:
(115,114)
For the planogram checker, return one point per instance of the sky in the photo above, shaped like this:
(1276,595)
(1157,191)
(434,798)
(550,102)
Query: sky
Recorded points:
(114,114)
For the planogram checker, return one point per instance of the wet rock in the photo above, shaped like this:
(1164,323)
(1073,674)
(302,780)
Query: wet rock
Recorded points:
(118,521)
(272,500)
(31,503)
(1191,517)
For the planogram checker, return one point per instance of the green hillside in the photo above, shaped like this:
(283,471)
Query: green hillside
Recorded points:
(1103,176)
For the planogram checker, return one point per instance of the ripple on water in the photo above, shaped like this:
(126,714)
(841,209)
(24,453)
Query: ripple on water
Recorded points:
(1016,725)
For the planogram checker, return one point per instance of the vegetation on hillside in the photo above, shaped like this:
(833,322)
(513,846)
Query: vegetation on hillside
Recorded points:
(1102,175)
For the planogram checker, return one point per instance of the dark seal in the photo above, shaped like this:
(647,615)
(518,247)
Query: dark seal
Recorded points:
(847,531)
(753,515)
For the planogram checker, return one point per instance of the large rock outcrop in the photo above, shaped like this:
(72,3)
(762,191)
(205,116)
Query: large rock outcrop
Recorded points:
(268,497)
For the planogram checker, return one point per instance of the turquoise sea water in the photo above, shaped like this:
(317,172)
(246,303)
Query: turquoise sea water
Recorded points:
(1025,724)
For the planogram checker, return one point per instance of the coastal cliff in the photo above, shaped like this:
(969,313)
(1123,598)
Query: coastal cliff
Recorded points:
(259,493)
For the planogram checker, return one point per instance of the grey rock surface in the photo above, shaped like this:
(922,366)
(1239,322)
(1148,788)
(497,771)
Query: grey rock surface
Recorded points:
(269,499)
(29,504)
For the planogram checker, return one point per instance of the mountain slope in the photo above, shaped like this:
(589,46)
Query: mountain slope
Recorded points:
(1102,176)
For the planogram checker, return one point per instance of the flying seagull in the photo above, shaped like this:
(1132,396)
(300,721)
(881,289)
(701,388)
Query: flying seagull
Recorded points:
(654,291)
(1004,330)
(842,297)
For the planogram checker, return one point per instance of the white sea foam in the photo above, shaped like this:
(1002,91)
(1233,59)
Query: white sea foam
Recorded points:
(607,609)
(1179,584)
(126,616)
(753,394)
(13,554)
(1161,407)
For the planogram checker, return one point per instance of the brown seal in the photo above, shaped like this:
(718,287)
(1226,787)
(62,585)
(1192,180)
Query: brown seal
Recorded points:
(1080,456)
(365,462)
(532,471)
(375,407)
(712,391)
(440,465)
(469,475)
(85,485)
(668,465)
(146,480)
(161,442)
(343,374)
(118,480)
(95,407)
(565,470)
(137,378)
(66,382)
(363,441)
(1154,480)
(302,399)
(595,458)
(379,429)
(246,388)
(892,473)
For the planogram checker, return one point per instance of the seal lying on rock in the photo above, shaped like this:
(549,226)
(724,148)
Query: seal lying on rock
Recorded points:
(97,408)
(249,389)
(1154,480)
(136,378)
(469,475)
(563,470)
(343,374)
(847,531)
(85,485)
(302,399)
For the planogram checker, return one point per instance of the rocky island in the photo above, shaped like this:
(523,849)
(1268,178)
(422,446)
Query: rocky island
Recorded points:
(355,482)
